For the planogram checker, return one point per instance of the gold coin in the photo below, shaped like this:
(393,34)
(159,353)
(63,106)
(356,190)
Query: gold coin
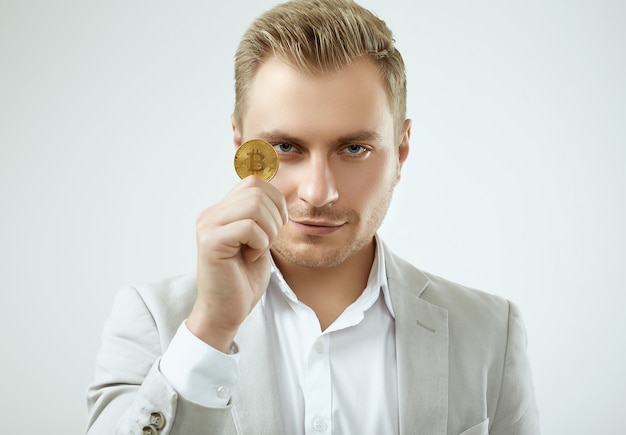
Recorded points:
(256,157)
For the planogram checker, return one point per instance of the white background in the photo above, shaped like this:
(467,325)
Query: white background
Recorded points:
(115,133)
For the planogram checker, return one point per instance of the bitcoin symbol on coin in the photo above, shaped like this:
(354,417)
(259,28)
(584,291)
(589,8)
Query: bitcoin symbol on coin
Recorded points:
(256,161)
(256,157)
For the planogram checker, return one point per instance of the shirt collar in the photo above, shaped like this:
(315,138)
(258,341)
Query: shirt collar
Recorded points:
(376,282)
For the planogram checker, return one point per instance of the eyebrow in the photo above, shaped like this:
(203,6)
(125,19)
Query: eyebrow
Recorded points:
(276,136)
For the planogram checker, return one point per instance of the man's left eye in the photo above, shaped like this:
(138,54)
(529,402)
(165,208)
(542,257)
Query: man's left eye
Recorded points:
(355,149)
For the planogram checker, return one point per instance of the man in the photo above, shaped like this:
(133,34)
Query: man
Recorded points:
(299,320)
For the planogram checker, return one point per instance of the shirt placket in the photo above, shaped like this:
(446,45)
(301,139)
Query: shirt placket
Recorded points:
(317,394)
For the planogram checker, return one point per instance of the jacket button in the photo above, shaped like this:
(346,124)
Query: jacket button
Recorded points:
(149,430)
(157,420)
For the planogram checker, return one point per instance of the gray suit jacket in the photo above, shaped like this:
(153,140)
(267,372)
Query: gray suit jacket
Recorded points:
(462,365)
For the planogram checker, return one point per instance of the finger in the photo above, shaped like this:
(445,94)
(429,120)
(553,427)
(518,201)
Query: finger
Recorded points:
(270,190)
(230,240)
(279,201)
(252,203)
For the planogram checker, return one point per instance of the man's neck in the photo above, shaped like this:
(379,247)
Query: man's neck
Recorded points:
(329,291)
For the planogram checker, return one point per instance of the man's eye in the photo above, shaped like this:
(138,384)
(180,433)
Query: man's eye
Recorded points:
(284,147)
(355,149)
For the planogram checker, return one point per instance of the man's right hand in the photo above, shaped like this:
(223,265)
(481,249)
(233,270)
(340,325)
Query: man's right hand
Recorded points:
(233,239)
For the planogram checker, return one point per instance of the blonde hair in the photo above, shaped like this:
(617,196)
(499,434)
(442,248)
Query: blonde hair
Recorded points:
(318,36)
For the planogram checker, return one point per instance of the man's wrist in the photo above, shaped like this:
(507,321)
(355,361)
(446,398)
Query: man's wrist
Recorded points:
(199,372)
(216,336)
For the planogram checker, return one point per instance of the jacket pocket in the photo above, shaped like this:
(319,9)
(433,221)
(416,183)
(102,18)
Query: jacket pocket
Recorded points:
(481,428)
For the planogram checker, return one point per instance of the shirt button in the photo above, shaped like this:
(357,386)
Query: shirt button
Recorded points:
(319,347)
(223,392)
(149,430)
(320,425)
(157,420)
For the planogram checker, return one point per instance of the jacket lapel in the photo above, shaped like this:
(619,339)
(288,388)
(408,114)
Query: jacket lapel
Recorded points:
(256,407)
(421,350)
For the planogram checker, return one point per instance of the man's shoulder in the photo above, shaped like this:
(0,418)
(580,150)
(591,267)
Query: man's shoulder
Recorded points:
(167,301)
(464,301)
(457,299)
(171,295)
(173,287)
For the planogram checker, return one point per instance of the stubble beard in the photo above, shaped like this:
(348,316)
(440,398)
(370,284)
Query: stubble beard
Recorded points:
(311,251)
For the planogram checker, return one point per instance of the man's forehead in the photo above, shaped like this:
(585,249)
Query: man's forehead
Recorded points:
(360,83)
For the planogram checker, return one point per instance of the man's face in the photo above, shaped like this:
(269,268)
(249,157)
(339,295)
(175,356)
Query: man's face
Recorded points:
(339,161)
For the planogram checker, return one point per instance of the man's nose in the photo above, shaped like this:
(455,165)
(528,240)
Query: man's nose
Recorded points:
(317,185)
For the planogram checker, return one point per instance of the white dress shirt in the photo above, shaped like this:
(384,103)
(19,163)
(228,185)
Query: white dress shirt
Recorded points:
(339,381)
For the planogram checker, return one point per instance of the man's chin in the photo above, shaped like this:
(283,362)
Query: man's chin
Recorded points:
(316,252)
(312,256)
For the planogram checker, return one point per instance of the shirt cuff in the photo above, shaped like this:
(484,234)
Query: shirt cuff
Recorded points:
(199,372)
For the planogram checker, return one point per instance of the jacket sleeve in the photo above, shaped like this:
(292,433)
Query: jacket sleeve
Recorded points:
(516,412)
(129,392)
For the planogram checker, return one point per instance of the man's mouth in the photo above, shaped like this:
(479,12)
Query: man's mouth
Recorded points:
(317,227)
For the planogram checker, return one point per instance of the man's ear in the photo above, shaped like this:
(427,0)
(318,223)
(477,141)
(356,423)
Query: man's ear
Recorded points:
(236,132)
(403,146)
